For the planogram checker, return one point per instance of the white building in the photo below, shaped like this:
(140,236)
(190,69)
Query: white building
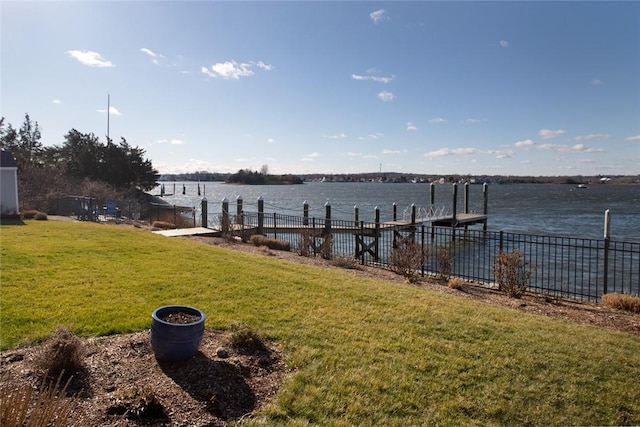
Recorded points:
(8,185)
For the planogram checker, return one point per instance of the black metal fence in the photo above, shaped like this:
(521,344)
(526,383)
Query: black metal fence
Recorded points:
(582,269)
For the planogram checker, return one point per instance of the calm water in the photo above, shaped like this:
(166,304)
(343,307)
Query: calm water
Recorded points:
(548,209)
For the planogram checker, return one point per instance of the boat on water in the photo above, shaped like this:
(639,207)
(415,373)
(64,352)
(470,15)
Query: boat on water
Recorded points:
(582,186)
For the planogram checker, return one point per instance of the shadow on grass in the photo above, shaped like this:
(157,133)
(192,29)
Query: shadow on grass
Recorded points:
(11,220)
(221,386)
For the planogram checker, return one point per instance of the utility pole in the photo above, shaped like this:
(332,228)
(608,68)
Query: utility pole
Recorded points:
(108,113)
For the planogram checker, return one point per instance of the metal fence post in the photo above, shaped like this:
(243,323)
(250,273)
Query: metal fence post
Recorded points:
(607,242)
(305,213)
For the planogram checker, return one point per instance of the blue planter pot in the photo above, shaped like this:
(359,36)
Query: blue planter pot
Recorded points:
(172,342)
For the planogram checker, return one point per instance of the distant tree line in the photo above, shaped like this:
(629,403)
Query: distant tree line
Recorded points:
(81,165)
(249,177)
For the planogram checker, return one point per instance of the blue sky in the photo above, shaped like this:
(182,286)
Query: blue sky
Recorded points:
(498,88)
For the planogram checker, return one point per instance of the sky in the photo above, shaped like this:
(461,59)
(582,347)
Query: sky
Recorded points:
(424,87)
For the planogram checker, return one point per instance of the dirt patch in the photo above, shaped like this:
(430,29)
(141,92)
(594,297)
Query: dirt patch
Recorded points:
(124,384)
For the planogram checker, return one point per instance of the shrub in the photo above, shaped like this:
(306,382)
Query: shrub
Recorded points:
(226,227)
(513,273)
(245,340)
(445,263)
(278,245)
(62,355)
(30,214)
(305,242)
(455,283)
(41,216)
(163,225)
(622,302)
(407,258)
(326,247)
(22,406)
(346,261)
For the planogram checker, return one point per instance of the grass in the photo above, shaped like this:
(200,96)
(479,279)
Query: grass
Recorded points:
(363,352)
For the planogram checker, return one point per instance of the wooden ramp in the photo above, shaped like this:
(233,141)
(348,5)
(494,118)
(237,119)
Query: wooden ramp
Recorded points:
(181,232)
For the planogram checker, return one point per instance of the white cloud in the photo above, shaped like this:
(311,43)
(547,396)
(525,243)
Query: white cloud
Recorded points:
(376,135)
(450,152)
(633,138)
(569,149)
(112,110)
(311,157)
(411,126)
(393,151)
(437,120)
(502,154)
(596,82)
(149,52)
(386,96)
(472,121)
(548,133)
(377,79)
(378,16)
(172,141)
(271,140)
(336,136)
(90,58)
(525,143)
(592,136)
(504,43)
(57,101)
(233,70)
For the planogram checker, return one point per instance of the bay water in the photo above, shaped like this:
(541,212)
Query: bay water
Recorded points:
(543,209)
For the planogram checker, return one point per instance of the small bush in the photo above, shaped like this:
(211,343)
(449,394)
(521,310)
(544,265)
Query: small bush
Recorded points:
(407,258)
(445,263)
(278,245)
(622,302)
(245,340)
(346,261)
(22,406)
(163,225)
(305,242)
(61,355)
(455,283)
(326,247)
(41,216)
(513,273)
(30,214)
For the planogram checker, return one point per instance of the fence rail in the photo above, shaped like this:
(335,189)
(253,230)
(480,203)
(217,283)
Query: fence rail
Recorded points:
(576,268)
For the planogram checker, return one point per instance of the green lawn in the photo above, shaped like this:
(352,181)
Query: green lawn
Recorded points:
(364,352)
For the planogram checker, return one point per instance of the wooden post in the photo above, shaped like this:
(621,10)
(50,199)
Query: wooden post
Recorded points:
(377,234)
(198,189)
(607,242)
(413,213)
(205,220)
(454,222)
(485,207)
(395,212)
(184,189)
(327,220)
(260,215)
(305,213)
(225,216)
(466,197)
(239,206)
(432,191)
